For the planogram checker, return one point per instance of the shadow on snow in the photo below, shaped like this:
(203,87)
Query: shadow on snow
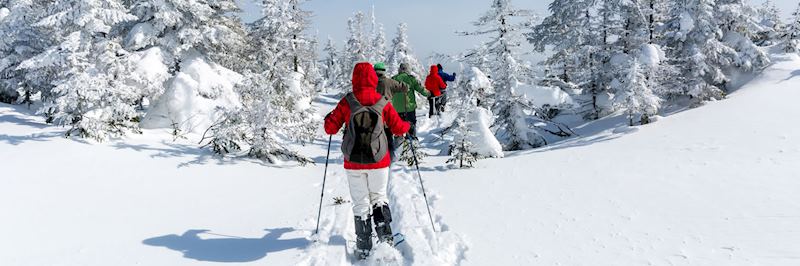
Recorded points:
(223,248)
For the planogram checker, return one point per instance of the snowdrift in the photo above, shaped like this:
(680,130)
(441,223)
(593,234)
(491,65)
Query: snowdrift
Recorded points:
(194,97)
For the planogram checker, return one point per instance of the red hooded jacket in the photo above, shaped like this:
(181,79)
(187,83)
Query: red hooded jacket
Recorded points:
(434,82)
(365,81)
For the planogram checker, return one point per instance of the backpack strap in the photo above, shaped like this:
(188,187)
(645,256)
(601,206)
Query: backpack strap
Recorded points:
(381,104)
(353,102)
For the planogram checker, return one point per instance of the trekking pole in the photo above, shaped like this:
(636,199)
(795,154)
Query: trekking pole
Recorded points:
(324,176)
(422,184)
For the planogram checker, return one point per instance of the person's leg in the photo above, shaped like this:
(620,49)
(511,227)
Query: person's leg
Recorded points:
(359,192)
(412,119)
(378,180)
(431,108)
(443,101)
(391,142)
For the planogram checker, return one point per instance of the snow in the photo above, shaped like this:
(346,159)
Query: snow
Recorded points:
(651,55)
(4,12)
(687,23)
(192,100)
(295,83)
(477,79)
(543,95)
(716,185)
(140,36)
(150,65)
(483,139)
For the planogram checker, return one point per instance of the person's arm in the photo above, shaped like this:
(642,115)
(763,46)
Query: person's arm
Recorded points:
(418,87)
(394,122)
(399,86)
(442,84)
(336,118)
(447,77)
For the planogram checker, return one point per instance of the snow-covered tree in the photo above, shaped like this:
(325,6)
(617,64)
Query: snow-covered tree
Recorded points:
(693,40)
(401,52)
(91,94)
(770,22)
(334,73)
(279,88)
(462,149)
(180,26)
(790,40)
(740,26)
(377,44)
(504,23)
(357,45)
(21,41)
(634,93)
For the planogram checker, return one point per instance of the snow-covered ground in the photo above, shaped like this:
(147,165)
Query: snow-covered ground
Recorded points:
(717,185)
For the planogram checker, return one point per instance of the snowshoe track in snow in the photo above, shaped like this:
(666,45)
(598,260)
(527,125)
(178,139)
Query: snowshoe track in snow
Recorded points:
(421,247)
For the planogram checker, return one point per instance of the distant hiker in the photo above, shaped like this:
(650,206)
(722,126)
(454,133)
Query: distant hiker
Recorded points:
(364,113)
(388,87)
(446,78)
(435,85)
(406,102)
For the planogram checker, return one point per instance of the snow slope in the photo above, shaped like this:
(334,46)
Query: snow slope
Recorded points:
(715,185)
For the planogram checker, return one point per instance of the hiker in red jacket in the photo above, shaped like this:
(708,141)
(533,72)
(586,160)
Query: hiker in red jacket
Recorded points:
(366,153)
(435,85)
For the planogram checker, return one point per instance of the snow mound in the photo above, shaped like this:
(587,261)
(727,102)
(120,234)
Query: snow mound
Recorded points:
(296,84)
(192,101)
(150,71)
(484,140)
(651,55)
(140,36)
(545,95)
(478,79)
(4,12)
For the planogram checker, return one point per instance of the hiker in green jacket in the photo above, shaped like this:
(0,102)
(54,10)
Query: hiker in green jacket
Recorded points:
(406,102)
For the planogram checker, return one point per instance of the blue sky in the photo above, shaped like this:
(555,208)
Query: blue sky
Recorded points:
(432,23)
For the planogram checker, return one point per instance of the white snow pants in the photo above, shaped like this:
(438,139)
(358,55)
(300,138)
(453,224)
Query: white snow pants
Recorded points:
(368,188)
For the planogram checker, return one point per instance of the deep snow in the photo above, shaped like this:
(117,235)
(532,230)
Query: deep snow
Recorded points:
(716,185)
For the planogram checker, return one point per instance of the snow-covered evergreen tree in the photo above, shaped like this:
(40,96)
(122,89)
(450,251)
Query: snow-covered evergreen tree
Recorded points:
(770,22)
(357,45)
(503,22)
(462,149)
(634,93)
(91,94)
(21,41)
(377,44)
(740,26)
(790,41)
(693,40)
(279,88)
(334,73)
(401,52)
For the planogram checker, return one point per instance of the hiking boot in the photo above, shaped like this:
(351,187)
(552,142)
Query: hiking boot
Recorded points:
(363,237)
(382,217)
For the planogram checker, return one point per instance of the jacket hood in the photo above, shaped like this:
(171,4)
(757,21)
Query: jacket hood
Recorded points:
(404,68)
(365,83)
(364,78)
(434,69)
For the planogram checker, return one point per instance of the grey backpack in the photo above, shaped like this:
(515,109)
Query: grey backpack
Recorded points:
(364,138)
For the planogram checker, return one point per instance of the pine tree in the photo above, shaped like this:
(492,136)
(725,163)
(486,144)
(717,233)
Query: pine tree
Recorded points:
(401,52)
(357,46)
(334,74)
(739,25)
(377,44)
(693,40)
(407,154)
(770,23)
(462,149)
(21,41)
(91,95)
(508,73)
(790,40)
(280,85)
(634,93)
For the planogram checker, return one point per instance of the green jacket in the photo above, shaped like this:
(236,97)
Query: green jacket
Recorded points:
(405,102)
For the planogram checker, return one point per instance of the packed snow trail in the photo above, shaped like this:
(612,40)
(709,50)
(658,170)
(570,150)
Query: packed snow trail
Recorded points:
(422,245)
